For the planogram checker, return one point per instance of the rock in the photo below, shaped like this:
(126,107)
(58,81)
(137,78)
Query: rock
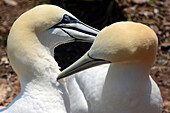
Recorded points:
(5,23)
(148,14)
(1,38)
(167,34)
(159,3)
(166,104)
(140,1)
(4,89)
(165,46)
(11,2)
(156,11)
(4,60)
(3,29)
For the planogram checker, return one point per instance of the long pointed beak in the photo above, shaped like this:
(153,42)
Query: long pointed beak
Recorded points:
(83,63)
(79,31)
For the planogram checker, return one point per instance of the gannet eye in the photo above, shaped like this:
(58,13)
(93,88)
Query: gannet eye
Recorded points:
(69,19)
(66,19)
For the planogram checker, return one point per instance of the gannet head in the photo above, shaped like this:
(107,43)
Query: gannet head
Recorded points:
(41,29)
(44,18)
(126,42)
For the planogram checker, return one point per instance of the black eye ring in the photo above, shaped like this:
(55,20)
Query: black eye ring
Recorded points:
(66,19)
(69,19)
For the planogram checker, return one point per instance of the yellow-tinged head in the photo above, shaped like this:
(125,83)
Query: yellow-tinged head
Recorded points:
(121,42)
(40,18)
(125,42)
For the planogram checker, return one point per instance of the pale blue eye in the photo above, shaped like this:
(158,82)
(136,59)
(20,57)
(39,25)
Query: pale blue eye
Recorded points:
(66,19)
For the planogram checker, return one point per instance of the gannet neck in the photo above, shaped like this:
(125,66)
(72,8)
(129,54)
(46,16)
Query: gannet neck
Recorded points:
(128,74)
(37,67)
(37,71)
(130,86)
(132,69)
(35,56)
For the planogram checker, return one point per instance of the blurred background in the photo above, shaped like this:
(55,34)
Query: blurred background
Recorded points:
(98,14)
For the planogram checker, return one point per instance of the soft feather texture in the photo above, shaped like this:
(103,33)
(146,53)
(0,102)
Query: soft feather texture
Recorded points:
(85,88)
(125,85)
(34,64)
(30,46)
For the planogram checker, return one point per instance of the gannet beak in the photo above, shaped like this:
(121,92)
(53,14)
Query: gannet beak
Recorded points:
(77,29)
(85,62)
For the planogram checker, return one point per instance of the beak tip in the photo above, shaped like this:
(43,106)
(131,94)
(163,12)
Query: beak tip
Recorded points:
(57,79)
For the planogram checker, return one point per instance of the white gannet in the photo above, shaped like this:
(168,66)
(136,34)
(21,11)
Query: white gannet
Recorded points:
(30,45)
(128,88)
(86,85)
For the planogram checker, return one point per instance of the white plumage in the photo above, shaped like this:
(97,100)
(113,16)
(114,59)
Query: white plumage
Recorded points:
(125,85)
(30,46)
(85,88)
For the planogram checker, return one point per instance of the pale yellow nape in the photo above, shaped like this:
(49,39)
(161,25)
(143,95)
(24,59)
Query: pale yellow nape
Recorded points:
(126,42)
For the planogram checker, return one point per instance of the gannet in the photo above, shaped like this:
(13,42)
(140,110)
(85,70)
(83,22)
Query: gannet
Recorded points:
(130,48)
(30,45)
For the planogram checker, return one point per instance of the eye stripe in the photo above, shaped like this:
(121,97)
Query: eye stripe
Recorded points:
(68,19)
(80,30)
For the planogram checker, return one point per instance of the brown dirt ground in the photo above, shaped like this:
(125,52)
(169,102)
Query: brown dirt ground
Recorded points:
(155,14)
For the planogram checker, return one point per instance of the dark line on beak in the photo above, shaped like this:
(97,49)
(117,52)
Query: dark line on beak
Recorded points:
(97,59)
(67,33)
(75,39)
(74,28)
(77,29)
